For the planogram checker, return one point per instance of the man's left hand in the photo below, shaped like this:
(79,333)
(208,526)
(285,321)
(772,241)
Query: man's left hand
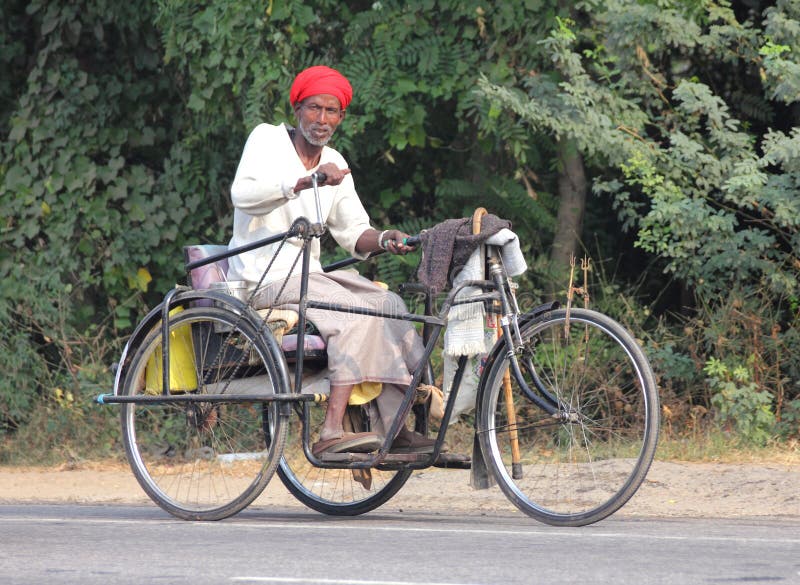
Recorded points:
(393,242)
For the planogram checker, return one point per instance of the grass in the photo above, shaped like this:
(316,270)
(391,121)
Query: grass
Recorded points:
(712,446)
(100,440)
(716,446)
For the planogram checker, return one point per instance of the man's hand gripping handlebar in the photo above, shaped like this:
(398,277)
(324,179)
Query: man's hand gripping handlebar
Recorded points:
(413,241)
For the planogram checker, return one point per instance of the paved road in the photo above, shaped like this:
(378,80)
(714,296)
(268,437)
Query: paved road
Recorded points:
(143,545)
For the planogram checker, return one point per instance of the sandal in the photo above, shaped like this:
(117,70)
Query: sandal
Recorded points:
(412,442)
(348,442)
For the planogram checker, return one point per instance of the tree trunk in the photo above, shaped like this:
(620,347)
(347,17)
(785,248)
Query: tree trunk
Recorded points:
(572,204)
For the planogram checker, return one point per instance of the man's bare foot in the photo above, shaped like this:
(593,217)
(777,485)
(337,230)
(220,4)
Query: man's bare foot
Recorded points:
(328,434)
(348,442)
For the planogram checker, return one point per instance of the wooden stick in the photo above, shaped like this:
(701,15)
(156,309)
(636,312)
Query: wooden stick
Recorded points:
(511,413)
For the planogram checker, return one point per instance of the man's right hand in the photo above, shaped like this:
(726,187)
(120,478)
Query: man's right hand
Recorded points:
(393,242)
(333,174)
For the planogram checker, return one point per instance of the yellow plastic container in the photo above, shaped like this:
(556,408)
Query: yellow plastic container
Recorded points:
(182,374)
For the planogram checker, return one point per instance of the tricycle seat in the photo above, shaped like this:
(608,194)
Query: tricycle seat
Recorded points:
(207,278)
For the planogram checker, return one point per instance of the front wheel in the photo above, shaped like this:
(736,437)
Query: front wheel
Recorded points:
(203,460)
(586,461)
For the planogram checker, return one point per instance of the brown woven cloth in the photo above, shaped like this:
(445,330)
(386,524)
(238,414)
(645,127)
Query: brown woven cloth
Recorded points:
(447,246)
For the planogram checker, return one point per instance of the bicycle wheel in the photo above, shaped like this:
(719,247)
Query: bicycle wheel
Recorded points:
(203,460)
(582,464)
(336,492)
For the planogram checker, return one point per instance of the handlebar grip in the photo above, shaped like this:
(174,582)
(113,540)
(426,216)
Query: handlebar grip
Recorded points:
(321,177)
(412,240)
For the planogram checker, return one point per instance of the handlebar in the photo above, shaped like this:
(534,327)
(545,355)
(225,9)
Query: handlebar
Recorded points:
(318,179)
(413,240)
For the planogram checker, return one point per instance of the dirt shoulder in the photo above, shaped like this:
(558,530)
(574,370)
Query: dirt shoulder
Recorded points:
(672,489)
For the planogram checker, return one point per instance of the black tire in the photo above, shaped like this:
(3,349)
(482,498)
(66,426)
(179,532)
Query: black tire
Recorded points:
(336,492)
(580,468)
(203,460)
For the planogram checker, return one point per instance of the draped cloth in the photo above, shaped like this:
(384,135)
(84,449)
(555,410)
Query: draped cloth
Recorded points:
(447,246)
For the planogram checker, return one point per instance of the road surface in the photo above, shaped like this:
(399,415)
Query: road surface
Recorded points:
(60,544)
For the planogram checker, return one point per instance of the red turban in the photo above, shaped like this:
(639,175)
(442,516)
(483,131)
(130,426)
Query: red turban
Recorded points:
(321,79)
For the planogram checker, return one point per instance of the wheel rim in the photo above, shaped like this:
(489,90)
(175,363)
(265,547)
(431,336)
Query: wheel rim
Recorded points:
(201,460)
(586,464)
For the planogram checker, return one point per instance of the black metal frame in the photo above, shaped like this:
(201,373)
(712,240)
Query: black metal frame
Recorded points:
(499,294)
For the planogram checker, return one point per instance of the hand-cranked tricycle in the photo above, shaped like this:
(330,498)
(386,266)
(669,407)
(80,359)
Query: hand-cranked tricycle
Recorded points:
(215,398)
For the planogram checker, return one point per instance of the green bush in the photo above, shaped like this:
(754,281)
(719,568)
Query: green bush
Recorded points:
(739,403)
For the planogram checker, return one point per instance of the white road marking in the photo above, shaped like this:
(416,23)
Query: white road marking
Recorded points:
(262,525)
(333,581)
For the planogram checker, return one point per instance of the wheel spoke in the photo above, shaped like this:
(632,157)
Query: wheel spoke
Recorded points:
(201,460)
(583,465)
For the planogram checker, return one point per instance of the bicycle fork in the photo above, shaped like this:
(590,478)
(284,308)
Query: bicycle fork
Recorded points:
(509,328)
(509,325)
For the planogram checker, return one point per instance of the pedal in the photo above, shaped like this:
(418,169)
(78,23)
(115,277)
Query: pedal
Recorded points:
(453,461)
(344,457)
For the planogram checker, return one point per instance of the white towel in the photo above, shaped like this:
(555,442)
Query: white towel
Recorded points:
(510,253)
(464,333)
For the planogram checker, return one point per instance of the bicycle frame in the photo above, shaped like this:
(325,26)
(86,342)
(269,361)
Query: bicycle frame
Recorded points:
(566,420)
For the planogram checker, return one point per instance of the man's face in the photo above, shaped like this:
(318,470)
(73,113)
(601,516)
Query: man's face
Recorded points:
(317,117)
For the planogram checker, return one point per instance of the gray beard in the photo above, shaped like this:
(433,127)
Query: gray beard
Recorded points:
(310,139)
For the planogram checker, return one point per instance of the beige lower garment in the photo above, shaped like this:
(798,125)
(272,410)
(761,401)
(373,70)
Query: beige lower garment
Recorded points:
(360,348)
(383,409)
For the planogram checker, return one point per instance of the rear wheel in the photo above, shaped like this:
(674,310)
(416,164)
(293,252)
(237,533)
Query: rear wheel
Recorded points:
(584,463)
(203,460)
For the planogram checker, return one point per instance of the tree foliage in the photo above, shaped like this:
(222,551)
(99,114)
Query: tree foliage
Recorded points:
(683,111)
(123,124)
(81,167)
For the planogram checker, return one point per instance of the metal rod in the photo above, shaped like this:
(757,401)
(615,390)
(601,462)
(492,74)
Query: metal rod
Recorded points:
(349,261)
(373,313)
(190,397)
(165,341)
(246,248)
(315,185)
(301,321)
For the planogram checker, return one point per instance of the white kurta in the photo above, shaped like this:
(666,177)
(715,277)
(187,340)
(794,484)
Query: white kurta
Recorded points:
(262,198)
(360,348)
